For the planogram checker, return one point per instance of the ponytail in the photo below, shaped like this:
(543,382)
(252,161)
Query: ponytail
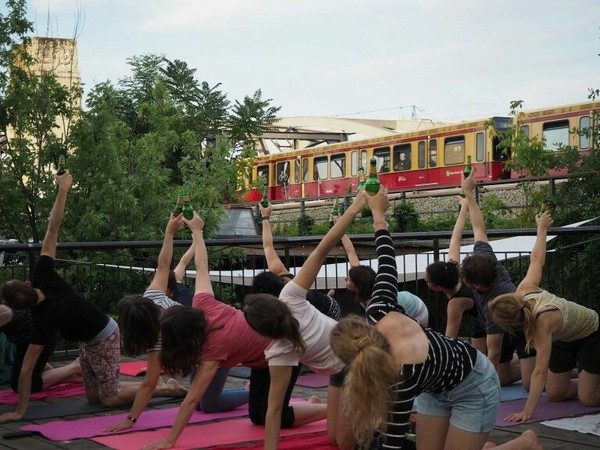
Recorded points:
(372,370)
(513,313)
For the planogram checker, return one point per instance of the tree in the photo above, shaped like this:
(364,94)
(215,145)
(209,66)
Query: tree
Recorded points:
(32,104)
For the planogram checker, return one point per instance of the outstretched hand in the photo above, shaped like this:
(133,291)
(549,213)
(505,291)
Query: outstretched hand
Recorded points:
(175,224)
(196,223)
(359,203)
(468,184)
(64,181)
(265,212)
(544,221)
(380,202)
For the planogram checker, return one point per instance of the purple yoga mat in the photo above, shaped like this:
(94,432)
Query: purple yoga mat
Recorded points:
(546,410)
(63,430)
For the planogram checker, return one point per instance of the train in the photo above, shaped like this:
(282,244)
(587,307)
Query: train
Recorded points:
(434,157)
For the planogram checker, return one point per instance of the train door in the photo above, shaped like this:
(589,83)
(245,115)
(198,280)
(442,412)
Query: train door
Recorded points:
(282,181)
(499,153)
(262,177)
(432,172)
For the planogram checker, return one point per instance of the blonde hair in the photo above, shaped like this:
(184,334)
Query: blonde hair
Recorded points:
(512,313)
(372,371)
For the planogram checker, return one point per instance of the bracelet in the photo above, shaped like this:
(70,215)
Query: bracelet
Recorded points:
(266,218)
(132,419)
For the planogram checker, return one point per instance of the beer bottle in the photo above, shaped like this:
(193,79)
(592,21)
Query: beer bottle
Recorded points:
(335,211)
(543,208)
(62,165)
(361,178)
(265,200)
(372,184)
(178,206)
(187,209)
(466,173)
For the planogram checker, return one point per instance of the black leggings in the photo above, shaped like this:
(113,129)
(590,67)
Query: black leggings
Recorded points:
(258,401)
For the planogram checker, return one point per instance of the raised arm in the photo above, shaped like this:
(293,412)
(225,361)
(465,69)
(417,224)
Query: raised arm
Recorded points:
(532,279)
(203,283)
(479,230)
(307,274)
(64,182)
(349,249)
(274,263)
(161,276)
(457,232)
(184,262)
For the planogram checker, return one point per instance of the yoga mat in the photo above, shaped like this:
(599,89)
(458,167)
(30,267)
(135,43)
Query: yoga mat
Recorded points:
(546,410)
(9,397)
(63,430)
(583,424)
(314,380)
(201,436)
(134,368)
(72,406)
(515,391)
(303,442)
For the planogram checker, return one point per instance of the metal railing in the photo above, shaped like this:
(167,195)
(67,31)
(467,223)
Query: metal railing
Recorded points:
(106,271)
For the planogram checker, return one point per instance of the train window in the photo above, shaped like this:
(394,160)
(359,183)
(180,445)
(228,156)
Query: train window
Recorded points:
(320,168)
(283,173)
(421,154)
(402,157)
(363,159)
(297,170)
(382,155)
(454,150)
(556,134)
(525,130)
(433,153)
(479,147)
(263,172)
(338,166)
(305,170)
(353,163)
(584,136)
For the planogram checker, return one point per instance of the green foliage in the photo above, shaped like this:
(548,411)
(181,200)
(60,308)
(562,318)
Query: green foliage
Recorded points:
(405,217)
(305,224)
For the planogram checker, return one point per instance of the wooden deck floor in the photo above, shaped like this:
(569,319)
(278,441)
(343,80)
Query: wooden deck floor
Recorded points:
(551,438)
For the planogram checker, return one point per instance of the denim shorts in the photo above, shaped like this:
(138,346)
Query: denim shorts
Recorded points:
(472,404)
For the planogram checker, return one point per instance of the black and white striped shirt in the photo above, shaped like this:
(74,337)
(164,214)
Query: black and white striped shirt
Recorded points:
(448,361)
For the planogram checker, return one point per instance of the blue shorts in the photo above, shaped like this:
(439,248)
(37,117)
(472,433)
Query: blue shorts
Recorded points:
(472,404)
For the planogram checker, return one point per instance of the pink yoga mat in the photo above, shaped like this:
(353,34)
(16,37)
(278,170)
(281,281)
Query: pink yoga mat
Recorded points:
(63,430)
(8,397)
(134,368)
(304,442)
(202,436)
(546,410)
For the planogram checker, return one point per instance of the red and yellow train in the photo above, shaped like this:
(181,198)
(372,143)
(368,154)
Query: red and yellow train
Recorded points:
(433,157)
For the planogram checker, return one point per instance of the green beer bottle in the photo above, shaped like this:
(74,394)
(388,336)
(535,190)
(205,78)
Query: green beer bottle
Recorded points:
(265,200)
(466,173)
(372,184)
(361,178)
(543,208)
(335,211)
(187,209)
(62,165)
(178,206)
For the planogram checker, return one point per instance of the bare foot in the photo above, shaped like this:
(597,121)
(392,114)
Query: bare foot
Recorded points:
(314,400)
(177,389)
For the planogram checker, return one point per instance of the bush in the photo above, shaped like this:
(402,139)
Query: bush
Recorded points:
(305,225)
(405,217)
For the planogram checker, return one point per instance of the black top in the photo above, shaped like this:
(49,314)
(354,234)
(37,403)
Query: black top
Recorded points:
(73,316)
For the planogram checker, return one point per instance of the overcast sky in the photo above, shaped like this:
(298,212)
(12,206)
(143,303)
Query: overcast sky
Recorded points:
(451,59)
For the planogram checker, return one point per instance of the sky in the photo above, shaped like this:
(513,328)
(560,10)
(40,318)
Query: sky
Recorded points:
(446,60)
